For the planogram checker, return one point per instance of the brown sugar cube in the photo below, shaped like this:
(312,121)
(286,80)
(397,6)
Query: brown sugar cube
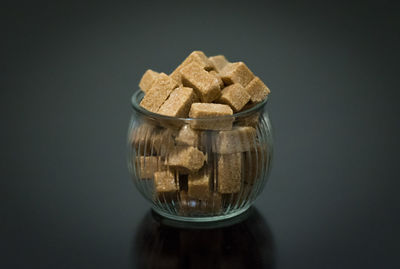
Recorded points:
(148,79)
(205,84)
(164,181)
(162,142)
(196,56)
(236,73)
(229,173)
(165,185)
(238,140)
(199,184)
(141,138)
(158,93)
(235,96)
(185,159)
(257,90)
(147,139)
(219,62)
(249,120)
(221,83)
(187,137)
(148,165)
(178,103)
(209,111)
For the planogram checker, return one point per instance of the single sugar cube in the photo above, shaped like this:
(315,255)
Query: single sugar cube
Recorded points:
(196,56)
(235,96)
(199,184)
(187,137)
(178,103)
(214,73)
(185,159)
(205,84)
(219,62)
(249,120)
(166,187)
(209,111)
(158,93)
(236,73)
(229,173)
(240,139)
(257,90)
(164,181)
(140,138)
(148,165)
(162,142)
(148,79)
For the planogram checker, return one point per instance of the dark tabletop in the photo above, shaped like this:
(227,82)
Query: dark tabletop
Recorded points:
(68,69)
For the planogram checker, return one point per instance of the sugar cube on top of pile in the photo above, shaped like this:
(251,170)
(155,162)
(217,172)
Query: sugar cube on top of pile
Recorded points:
(201,79)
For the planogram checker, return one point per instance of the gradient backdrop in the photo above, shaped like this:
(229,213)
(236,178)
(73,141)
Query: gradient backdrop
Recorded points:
(68,69)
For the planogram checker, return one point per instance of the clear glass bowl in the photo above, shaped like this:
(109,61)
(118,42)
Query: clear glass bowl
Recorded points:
(204,169)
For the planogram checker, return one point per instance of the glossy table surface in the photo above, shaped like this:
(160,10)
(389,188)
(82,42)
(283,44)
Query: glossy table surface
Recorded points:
(68,70)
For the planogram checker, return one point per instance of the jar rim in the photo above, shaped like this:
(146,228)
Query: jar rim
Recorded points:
(138,95)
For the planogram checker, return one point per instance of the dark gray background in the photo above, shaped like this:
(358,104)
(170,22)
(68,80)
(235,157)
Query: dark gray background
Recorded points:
(68,70)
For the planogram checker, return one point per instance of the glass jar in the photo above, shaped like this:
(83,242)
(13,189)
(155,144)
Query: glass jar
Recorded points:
(204,169)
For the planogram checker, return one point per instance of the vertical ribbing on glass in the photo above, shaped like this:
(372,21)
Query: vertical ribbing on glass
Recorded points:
(255,167)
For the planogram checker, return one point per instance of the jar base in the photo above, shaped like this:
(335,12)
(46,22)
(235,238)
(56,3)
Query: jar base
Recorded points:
(203,222)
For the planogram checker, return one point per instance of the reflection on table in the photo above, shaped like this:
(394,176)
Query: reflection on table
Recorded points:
(242,243)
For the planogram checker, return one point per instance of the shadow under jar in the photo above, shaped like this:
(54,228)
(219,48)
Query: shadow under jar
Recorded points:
(204,169)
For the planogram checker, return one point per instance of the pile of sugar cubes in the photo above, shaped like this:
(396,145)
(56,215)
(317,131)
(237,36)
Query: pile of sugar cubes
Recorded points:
(202,80)
(197,164)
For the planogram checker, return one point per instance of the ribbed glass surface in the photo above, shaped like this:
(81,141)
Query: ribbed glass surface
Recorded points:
(163,159)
